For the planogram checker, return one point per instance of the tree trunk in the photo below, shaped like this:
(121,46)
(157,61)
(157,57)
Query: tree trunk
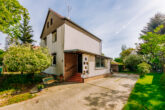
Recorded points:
(21,72)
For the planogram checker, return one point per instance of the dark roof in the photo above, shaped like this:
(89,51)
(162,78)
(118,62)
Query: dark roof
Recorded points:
(64,18)
(83,51)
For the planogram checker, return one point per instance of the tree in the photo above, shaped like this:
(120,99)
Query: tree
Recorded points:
(10,11)
(126,52)
(26,35)
(153,47)
(132,61)
(1,56)
(24,58)
(158,19)
(118,60)
(143,68)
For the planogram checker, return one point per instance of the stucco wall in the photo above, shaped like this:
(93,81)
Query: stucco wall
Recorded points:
(92,70)
(58,48)
(75,39)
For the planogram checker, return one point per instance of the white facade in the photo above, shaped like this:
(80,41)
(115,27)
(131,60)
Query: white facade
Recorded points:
(75,39)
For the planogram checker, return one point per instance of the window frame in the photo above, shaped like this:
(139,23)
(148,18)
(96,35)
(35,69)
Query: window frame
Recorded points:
(51,21)
(48,24)
(101,61)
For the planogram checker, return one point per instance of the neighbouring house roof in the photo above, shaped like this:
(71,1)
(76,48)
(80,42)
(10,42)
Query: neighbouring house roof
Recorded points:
(83,51)
(66,19)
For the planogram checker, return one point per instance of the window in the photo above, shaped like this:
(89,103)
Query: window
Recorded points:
(51,21)
(45,40)
(54,59)
(47,24)
(54,36)
(100,61)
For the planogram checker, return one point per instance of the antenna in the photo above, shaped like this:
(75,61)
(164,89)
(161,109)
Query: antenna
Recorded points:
(69,8)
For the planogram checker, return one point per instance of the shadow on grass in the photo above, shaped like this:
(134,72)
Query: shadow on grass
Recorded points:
(147,94)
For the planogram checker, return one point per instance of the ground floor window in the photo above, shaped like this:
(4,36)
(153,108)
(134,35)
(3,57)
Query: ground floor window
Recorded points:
(54,59)
(99,61)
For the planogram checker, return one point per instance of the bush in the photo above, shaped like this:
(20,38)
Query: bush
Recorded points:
(24,58)
(144,68)
(1,56)
(162,81)
(132,61)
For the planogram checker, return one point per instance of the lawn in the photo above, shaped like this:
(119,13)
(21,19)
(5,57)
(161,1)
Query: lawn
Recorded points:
(16,87)
(147,94)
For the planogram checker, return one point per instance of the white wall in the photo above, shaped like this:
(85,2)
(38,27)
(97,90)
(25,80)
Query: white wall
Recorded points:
(92,70)
(75,39)
(58,48)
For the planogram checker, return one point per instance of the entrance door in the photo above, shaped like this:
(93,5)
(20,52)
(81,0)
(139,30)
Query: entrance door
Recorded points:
(80,63)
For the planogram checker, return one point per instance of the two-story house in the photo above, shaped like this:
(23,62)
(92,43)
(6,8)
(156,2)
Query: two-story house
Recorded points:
(76,52)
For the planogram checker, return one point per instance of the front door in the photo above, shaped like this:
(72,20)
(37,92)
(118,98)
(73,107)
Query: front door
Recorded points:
(80,63)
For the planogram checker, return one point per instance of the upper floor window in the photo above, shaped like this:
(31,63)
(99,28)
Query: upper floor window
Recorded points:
(47,24)
(99,61)
(45,40)
(54,36)
(51,21)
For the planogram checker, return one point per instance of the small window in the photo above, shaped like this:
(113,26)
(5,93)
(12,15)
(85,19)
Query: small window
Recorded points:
(54,36)
(99,61)
(51,21)
(54,59)
(47,24)
(45,40)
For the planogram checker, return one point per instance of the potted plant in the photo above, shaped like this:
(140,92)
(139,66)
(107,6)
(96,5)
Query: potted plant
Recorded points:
(40,87)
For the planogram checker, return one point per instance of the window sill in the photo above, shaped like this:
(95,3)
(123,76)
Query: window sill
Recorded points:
(100,68)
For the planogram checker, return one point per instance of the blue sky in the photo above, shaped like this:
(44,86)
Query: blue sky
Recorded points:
(116,22)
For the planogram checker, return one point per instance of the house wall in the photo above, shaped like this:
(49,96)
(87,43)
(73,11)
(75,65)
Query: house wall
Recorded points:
(58,48)
(75,39)
(90,66)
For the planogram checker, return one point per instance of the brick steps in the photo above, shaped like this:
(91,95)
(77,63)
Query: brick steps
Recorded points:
(75,78)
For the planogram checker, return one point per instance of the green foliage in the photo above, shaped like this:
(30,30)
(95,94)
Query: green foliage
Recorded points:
(147,94)
(10,12)
(1,56)
(162,82)
(158,19)
(119,60)
(40,86)
(26,59)
(132,61)
(144,68)
(25,30)
(17,81)
(126,52)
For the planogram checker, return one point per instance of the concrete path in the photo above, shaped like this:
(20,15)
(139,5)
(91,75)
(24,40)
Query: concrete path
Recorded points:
(103,94)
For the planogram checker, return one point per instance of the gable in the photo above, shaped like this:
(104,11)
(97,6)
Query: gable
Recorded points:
(57,21)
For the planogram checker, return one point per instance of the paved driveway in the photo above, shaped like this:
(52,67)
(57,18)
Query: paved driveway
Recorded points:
(103,94)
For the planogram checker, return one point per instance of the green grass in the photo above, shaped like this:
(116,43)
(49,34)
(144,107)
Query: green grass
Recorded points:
(147,94)
(17,98)
(16,87)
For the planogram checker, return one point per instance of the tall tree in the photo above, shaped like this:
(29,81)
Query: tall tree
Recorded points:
(10,11)
(25,35)
(158,19)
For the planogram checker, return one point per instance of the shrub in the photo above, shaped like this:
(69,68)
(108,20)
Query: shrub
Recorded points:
(132,61)
(24,58)
(143,68)
(1,56)
(162,81)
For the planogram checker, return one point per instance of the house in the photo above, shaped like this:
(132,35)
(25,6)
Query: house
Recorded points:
(76,52)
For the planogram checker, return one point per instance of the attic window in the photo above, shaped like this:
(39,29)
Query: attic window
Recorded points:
(47,24)
(54,36)
(51,21)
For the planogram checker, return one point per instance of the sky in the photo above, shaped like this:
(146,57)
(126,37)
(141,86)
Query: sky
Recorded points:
(116,22)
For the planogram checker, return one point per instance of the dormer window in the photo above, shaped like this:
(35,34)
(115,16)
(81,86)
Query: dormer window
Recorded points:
(51,21)
(47,24)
